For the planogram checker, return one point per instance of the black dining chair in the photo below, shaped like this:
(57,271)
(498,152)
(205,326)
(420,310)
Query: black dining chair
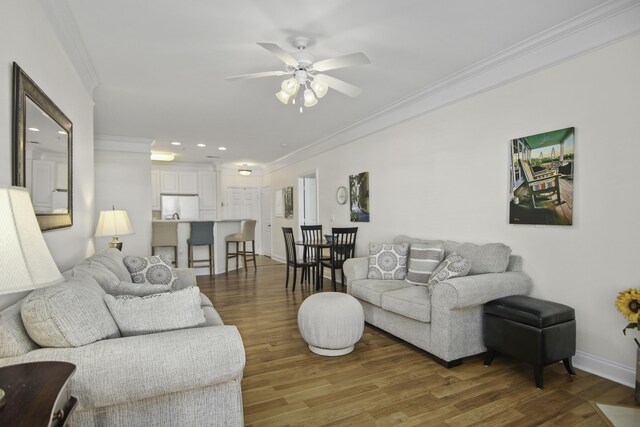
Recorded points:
(310,233)
(292,258)
(342,248)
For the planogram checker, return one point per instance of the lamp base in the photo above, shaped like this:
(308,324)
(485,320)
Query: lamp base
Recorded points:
(115,243)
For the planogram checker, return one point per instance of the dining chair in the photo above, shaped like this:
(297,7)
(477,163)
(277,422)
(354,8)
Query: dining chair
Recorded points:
(292,257)
(342,248)
(310,233)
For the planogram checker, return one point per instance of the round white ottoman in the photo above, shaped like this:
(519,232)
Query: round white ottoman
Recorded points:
(331,323)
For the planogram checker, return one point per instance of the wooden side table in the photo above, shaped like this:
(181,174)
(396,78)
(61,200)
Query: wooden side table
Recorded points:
(35,394)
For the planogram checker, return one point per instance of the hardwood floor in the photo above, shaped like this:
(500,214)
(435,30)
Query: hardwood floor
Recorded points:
(385,381)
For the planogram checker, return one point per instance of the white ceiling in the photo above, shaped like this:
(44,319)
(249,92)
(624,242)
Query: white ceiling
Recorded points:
(162,65)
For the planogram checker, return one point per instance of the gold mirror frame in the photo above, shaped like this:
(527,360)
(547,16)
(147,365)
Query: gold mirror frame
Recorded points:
(23,88)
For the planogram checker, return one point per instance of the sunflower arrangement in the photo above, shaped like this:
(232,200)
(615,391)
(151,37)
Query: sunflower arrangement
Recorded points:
(628,303)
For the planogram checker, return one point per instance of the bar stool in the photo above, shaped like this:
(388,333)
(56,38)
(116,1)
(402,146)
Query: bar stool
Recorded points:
(201,235)
(247,233)
(165,234)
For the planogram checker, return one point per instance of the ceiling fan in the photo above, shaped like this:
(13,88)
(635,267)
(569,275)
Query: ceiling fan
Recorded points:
(305,72)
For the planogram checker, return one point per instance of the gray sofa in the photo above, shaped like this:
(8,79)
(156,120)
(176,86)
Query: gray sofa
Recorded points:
(178,377)
(447,324)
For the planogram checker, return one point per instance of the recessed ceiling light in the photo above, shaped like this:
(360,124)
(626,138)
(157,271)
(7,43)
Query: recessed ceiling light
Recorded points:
(284,144)
(61,132)
(176,143)
(222,148)
(34,129)
(202,145)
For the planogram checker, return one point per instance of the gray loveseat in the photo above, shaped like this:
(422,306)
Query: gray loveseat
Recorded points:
(179,377)
(447,324)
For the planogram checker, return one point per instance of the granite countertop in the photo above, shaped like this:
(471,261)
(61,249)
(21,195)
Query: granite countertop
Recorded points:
(196,220)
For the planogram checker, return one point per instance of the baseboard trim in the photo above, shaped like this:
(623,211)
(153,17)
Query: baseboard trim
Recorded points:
(605,368)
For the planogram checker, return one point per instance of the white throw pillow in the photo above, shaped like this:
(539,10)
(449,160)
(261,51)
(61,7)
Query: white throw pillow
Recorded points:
(156,313)
(388,261)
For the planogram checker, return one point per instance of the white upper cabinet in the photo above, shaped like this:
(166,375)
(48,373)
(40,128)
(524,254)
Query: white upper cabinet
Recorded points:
(169,182)
(188,182)
(207,190)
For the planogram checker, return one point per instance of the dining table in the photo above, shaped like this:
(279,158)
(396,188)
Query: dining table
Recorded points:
(317,247)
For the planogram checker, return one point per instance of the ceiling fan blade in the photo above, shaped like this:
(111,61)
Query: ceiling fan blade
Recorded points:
(341,62)
(339,85)
(277,51)
(256,75)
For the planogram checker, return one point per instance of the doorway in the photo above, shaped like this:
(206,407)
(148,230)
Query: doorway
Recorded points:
(265,211)
(308,198)
(244,203)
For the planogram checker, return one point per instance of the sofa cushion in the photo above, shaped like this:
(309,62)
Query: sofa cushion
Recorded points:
(157,313)
(105,277)
(119,288)
(371,290)
(413,302)
(488,258)
(13,336)
(388,261)
(453,266)
(151,270)
(69,314)
(424,258)
(112,258)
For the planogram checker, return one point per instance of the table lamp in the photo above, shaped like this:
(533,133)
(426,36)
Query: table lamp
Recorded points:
(25,260)
(114,223)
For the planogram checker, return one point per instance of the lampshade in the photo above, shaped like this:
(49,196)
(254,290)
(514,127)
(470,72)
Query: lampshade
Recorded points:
(309,98)
(25,260)
(282,97)
(114,223)
(319,88)
(290,86)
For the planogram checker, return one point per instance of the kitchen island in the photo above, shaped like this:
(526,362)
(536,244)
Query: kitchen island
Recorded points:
(221,229)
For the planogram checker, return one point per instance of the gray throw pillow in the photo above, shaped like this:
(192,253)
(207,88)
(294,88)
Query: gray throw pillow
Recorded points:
(424,258)
(453,266)
(14,339)
(101,274)
(388,261)
(69,314)
(157,313)
(151,270)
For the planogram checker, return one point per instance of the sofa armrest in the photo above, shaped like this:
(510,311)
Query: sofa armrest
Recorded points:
(187,278)
(355,269)
(122,370)
(460,292)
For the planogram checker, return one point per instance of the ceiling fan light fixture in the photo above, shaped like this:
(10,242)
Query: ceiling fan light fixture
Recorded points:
(309,98)
(319,88)
(290,86)
(282,97)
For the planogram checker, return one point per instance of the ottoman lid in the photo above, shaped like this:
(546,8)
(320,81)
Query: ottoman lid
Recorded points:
(530,311)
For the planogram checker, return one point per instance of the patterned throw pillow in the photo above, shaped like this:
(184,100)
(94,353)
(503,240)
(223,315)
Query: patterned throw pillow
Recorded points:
(453,266)
(424,258)
(152,270)
(388,261)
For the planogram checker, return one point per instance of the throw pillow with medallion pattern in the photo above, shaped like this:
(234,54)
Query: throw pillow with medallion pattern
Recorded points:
(453,266)
(388,261)
(151,270)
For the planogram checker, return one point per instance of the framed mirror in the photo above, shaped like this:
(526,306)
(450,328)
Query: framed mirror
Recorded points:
(42,152)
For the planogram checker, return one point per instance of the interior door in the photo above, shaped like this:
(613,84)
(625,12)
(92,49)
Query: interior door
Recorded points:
(265,207)
(244,203)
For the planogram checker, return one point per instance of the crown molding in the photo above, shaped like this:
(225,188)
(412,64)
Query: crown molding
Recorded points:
(608,23)
(123,144)
(66,27)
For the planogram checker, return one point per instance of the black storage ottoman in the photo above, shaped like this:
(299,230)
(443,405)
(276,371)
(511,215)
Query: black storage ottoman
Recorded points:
(532,330)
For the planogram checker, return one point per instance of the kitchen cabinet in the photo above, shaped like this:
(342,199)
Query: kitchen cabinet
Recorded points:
(207,190)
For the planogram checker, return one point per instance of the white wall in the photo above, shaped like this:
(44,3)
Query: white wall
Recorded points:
(123,180)
(27,37)
(445,175)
